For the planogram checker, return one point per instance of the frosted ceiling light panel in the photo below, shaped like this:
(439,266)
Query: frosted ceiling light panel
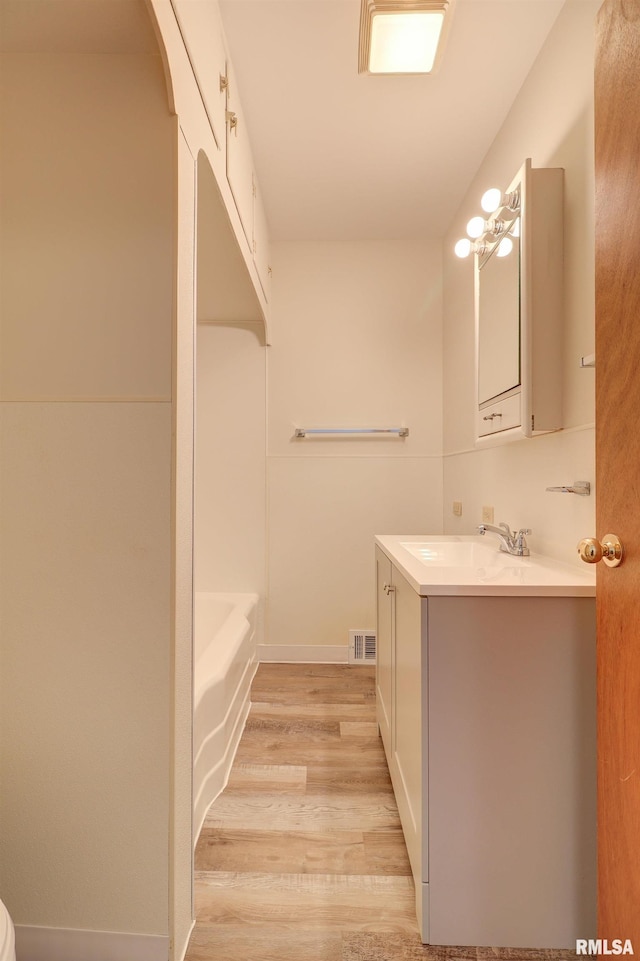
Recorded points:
(404,42)
(402,36)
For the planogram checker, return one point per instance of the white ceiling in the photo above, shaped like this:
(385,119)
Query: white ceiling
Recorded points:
(345,156)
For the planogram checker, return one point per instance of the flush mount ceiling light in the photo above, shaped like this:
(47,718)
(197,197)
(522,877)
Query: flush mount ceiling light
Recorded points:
(402,36)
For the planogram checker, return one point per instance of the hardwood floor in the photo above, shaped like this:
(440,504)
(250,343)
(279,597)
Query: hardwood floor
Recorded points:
(302,856)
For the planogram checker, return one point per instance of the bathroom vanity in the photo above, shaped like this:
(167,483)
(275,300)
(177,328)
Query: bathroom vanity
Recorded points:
(485,689)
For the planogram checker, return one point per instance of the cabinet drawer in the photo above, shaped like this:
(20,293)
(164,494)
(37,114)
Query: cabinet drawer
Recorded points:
(501,416)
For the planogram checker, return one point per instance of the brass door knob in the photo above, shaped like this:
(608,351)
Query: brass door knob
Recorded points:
(609,550)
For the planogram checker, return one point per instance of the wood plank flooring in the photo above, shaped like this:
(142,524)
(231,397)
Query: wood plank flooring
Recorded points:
(302,856)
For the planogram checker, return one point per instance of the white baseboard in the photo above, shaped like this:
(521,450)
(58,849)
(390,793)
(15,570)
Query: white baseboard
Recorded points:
(181,952)
(303,654)
(69,944)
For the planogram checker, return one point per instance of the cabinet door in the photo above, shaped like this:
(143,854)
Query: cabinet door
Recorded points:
(201,31)
(239,160)
(504,415)
(408,764)
(384,653)
(261,241)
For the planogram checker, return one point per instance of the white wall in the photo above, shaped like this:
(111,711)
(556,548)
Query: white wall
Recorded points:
(230,472)
(230,522)
(86,526)
(552,122)
(357,341)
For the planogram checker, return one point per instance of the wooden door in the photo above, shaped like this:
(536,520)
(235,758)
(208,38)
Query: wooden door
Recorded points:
(617,158)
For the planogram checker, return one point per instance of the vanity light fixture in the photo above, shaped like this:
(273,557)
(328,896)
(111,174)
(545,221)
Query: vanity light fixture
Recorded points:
(477,226)
(496,232)
(493,199)
(402,36)
(504,247)
(465,247)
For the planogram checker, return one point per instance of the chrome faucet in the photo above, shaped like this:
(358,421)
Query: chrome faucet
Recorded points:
(510,541)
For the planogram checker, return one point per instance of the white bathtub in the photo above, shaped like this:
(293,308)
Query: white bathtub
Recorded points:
(225,661)
(7,937)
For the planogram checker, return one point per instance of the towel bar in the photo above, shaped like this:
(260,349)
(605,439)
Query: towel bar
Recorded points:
(304,431)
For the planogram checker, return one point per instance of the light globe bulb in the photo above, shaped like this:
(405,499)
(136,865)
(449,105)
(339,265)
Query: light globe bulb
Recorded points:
(475,227)
(504,247)
(463,248)
(491,200)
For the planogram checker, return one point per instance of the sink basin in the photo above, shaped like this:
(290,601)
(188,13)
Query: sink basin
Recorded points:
(450,564)
(453,553)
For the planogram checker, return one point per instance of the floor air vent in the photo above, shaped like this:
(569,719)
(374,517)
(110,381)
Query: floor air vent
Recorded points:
(362,647)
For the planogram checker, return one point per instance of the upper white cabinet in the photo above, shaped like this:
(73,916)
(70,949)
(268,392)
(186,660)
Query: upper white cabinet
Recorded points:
(261,255)
(243,182)
(518,308)
(239,159)
(201,30)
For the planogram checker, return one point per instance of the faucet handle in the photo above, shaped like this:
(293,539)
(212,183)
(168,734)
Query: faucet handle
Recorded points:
(520,541)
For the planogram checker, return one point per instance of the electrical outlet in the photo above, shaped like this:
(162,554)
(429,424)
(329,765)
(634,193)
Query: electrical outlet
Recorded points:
(487,515)
(457,508)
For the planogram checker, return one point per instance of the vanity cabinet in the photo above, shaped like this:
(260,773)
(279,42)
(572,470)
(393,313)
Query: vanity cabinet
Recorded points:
(384,648)
(400,697)
(519,311)
(486,708)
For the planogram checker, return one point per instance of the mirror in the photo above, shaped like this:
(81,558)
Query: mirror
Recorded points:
(499,328)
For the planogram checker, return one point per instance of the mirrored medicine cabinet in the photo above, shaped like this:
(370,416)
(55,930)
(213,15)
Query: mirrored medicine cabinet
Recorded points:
(518,309)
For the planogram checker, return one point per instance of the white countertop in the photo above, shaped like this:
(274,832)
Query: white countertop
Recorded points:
(447,564)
